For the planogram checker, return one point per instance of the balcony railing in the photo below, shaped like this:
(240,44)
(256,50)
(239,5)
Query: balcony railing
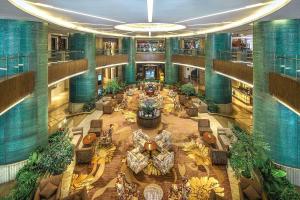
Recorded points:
(62,56)
(14,64)
(151,50)
(236,56)
(110,52)
(190,52)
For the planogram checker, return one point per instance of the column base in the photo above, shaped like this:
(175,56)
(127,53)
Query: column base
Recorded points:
(225,108)
(8,172)
(293,174)
(75,107)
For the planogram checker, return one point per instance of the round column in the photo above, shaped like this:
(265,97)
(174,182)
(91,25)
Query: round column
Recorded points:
(83,87)
(171,71)
(128,45)
(24,127)
(217,87)
(279,126)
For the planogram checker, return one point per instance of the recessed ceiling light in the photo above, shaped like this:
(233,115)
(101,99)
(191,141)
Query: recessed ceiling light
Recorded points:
(225,12)
(72,11)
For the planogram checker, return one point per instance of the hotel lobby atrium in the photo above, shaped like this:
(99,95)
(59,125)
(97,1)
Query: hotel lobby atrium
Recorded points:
(150,100)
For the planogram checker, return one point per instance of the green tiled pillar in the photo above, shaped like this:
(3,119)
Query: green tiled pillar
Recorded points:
(217,87)
(279,125)
(83,87)
(171,71)
(128,44)
(25,126)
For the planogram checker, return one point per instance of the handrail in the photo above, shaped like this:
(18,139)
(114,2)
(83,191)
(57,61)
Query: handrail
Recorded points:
(190,52)
(110,52)
(62,56)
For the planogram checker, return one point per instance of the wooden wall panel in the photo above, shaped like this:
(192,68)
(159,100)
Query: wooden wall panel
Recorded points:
(61,70)
(15,88)
(103,60)
(285,89)
(237,70)
(198,61)
(160,57)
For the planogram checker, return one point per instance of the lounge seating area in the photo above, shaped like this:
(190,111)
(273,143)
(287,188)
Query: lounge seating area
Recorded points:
(140,157)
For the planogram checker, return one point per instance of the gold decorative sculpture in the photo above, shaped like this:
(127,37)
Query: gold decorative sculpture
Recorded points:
(202,187)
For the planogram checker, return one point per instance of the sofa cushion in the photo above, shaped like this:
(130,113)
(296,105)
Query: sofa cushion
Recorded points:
(251,193)
(48,190)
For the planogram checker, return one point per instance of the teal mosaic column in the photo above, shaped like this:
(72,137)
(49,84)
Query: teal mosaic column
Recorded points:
(171,71)
(25,127)
(279,125)
(83,87)
(217,87)
(128,45)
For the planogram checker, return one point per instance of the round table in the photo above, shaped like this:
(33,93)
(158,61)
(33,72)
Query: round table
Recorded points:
(89,139)
(209,138)
(153,192)
(150,146)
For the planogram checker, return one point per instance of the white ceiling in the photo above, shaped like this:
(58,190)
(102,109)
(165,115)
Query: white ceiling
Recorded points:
(135,11)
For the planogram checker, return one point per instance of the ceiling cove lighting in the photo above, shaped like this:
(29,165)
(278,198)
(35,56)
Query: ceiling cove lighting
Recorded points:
(149,27)
(91,24)
(72,11)
(286,105)
(112,65)
(236,79)
(150,10)
(210,24)
(65,78)
(225,12)
(41,14)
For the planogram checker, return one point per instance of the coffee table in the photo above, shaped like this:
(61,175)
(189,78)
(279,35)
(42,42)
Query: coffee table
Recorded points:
(89,139)
(150,146)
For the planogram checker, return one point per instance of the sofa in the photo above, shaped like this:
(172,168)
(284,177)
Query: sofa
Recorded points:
(96,127)
(99,103)
(84,155)
(139,138)
(163,140)
(204,126)
(226,137)
(164,161)
(49,188)
(78,195)
(136,160)
(192,111)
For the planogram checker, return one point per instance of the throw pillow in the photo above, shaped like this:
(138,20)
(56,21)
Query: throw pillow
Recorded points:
(48,190)
(251,193)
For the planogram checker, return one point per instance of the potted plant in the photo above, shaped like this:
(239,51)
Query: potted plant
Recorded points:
(112,87)
(186,90)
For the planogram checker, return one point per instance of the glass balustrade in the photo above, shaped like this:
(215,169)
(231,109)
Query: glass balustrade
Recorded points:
(110,52)
(14,64)
(190,52)
(62,56)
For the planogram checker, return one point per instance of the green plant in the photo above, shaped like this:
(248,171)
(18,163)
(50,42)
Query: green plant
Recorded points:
(58,154)
(88,107)
(212,107)
(201,96)
(248,153)
(276,184)
(187,89)
(112,87)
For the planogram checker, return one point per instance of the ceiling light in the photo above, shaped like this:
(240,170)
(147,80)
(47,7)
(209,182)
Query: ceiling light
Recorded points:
(150,27)
(150,10)
(225,12)
(74,12)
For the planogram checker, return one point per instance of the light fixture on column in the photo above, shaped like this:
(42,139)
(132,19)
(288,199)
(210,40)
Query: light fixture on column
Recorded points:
(150,10)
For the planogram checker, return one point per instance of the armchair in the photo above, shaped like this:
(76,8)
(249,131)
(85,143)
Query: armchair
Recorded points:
(84,155)
(204,126)
(136,160)
(108,107)
(49,188)
(139,139)
(96,127)
(164,161)
(163,140)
